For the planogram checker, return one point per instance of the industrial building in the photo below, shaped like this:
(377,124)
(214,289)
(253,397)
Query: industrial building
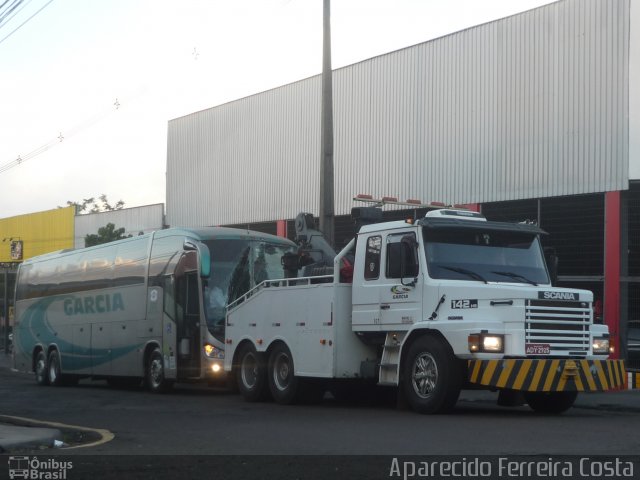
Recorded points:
(531,117)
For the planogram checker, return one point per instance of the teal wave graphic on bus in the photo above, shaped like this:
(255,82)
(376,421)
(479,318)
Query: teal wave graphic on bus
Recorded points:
(74,355)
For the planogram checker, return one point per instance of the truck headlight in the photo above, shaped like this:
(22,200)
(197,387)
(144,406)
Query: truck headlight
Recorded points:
(486,342)
(601,345)
(213,352)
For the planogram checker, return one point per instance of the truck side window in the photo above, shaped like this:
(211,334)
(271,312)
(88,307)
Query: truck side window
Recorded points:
(395,250)
(372,258)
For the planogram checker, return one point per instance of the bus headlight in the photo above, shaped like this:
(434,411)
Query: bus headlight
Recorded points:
(213,352)
(486,343)
(601,345)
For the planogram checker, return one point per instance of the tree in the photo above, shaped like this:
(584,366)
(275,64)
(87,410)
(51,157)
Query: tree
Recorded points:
(91,205)
(106,234)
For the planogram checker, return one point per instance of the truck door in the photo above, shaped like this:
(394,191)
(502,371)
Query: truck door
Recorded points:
(366,283)
(400,284)
(381,298)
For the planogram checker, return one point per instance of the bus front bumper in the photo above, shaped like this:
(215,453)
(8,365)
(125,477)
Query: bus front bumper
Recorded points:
(548,375)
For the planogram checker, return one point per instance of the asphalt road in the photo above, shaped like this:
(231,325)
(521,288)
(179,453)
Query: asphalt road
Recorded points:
(203,421)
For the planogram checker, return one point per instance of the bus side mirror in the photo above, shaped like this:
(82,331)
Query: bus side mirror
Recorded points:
(204,256)
(552,263)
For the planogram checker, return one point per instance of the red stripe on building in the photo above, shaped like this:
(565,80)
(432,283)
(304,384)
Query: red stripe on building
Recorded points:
(612,228)
(281,228)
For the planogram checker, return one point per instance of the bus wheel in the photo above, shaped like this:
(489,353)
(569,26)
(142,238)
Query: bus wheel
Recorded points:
(550,402)
(431,377)
(284,385)
(55,375)
(252,376)
(41,369)
(155,378)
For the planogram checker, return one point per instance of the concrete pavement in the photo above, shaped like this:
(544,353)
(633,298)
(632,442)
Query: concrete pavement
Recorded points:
(18,434)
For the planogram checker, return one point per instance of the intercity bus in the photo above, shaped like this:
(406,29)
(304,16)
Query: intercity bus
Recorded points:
(150,307)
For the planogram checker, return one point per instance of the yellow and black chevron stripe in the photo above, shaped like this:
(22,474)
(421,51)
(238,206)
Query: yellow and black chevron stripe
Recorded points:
(549,375)
(633,380)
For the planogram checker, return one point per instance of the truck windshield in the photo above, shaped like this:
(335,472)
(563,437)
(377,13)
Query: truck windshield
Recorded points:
(485,256)
(236,267)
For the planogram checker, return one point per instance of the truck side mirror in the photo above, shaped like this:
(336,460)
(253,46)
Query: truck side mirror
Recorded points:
(409,260)
(552,263)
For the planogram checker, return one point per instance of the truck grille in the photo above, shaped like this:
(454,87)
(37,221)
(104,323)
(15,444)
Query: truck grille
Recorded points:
(564,326)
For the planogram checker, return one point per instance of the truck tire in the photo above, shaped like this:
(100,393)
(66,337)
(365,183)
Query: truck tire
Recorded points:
(252,374)
(154,373)
(550,402)
(283,384)
(40,369)
(431,377)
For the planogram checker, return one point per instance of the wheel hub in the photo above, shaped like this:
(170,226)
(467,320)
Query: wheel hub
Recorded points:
(249,371)
(424,376)
(282,371)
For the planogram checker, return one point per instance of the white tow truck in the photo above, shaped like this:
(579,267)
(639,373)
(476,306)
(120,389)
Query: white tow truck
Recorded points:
(429,306)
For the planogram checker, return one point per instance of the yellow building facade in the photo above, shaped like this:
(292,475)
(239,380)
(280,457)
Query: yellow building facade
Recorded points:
(27,236)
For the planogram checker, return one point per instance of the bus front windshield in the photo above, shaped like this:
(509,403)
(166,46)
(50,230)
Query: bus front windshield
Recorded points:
(485,256)
(236,267)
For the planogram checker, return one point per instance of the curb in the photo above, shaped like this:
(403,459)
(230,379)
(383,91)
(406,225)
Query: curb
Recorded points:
(76,436)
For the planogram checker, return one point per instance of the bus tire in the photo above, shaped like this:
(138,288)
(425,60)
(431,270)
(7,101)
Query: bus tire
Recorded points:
(154,374)
(40,369)
(283,383)
(252,374)
(431,378)
(550,402)
(53,369)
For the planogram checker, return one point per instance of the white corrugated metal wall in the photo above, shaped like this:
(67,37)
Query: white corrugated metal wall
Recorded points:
(134,220)
(534,105)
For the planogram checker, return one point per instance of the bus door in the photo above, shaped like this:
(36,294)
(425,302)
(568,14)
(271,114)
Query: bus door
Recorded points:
(188,317)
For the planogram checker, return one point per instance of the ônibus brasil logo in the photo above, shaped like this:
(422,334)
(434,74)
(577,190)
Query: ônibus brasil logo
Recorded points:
(35,469)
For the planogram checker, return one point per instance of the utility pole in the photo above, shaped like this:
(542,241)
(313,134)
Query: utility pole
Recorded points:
(327,219)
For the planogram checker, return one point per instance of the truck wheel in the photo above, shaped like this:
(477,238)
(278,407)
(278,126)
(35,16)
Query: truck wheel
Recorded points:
(284,385)
(431,376)
(252,375)
(550,402)
(42,378)
(155,379)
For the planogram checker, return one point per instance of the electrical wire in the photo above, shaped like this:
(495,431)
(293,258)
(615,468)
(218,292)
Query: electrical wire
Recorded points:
(66,134)
(24,4)
(7,12)
(22,24)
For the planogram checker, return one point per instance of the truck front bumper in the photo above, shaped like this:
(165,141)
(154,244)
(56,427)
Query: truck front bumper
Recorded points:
(542,375)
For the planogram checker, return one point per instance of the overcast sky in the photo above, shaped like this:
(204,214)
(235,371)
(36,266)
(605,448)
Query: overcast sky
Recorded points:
(88,86)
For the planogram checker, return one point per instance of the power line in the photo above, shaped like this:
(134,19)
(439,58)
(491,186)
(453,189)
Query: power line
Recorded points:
(7,12)
(51,143)
(15,13)
(20,26)
(64,135)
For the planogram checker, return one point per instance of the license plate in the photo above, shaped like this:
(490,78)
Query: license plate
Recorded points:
(538,349)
